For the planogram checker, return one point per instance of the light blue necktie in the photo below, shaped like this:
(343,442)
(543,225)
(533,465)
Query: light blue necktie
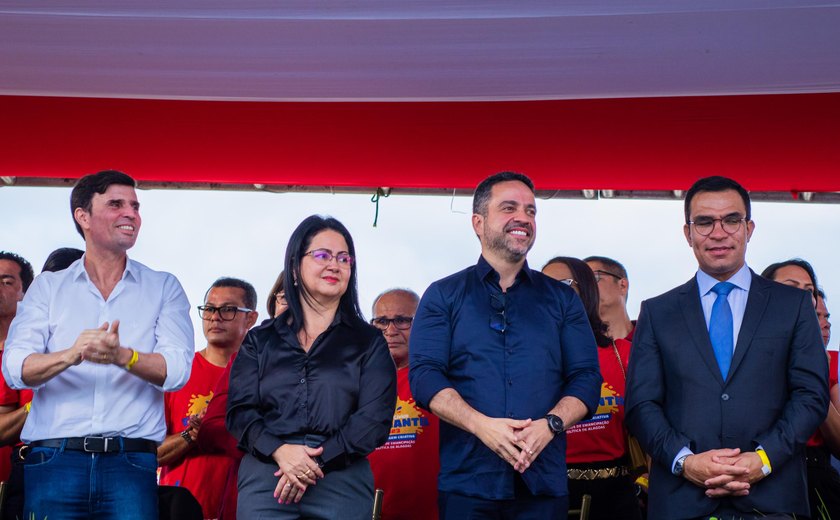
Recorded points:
(720,327)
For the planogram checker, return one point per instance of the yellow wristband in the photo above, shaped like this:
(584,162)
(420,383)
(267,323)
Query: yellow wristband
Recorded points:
(642,481)
(27,406)
(133,361)
(764,460)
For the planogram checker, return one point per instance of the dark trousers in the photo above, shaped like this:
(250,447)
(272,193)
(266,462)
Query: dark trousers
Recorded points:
(823,484)
(13,503)
(612,498)
(524,506)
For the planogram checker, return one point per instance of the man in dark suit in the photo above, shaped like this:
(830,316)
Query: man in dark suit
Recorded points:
(728,377)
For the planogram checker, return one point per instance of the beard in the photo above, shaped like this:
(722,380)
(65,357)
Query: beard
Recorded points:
(507,246)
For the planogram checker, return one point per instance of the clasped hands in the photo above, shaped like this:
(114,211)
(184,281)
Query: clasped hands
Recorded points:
(101,346)
(724,472)
(298,470)
(518,442)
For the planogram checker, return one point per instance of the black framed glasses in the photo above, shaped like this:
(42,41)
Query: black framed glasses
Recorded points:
(226,312)
(705,225)
(325,256)
(498,320)
(400,322)
(599,275)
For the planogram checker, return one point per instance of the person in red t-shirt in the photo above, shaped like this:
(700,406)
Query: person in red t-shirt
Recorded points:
(406,466)
(613,286)
(227,314)
(596,449)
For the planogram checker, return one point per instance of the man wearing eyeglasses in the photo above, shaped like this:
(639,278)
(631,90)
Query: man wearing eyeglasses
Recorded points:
(505,356)
(406,466)
(613,286)
(99,343)
(227,315)
(728,377)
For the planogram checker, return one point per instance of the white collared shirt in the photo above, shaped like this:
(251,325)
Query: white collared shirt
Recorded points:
(92,399)
(737,298)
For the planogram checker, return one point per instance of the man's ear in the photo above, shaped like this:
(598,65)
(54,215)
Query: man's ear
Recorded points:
(687,233)
(477,224)
(252,318)
(81,217)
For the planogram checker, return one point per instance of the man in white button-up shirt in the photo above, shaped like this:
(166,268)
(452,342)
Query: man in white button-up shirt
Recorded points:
(99,343)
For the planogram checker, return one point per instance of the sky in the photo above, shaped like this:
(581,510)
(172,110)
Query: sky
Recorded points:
(201,235)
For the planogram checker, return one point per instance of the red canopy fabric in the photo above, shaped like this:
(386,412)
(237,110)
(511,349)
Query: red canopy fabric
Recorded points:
(785,142)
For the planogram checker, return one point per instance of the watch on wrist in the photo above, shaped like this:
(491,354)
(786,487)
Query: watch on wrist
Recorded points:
(186,436)
(679,467)
(555,424)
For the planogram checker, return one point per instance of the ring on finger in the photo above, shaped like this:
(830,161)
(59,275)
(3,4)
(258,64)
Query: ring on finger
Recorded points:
(307,472)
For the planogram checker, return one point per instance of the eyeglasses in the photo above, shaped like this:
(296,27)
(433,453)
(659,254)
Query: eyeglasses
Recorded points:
(280,296)
(571,282)
(730,224)
(400,322)
(498,321)
(226,313)
(599,275)
(325,256)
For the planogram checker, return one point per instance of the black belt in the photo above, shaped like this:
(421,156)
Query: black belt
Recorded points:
(98,444)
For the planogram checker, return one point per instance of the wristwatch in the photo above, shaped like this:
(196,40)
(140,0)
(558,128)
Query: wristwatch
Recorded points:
(679,466)
(555,424)
(186,436)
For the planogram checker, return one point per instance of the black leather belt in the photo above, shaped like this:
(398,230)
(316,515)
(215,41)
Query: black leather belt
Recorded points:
(98,444)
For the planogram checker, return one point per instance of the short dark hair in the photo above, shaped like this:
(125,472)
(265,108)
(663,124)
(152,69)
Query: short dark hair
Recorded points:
(589,294)
(271,304)
(716,183)
(481,197)
(250,299)
(770,271)
(61,258)
(398,290)
(821,294)
(87,186)
(26,272)
(298,246)
(614,265)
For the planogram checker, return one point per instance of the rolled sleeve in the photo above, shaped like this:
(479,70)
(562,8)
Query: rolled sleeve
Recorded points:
(431,339)
(174,337)
(28,334)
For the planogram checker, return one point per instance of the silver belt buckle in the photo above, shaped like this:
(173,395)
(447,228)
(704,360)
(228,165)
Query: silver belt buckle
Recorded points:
(104,444)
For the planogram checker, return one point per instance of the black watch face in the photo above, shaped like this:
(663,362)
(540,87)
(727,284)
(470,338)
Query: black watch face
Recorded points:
(555,423)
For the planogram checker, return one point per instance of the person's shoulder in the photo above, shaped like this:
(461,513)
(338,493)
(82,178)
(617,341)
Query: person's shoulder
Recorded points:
(677,292)
(454,279)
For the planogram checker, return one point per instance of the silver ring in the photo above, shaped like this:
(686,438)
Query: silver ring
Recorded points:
(288,485)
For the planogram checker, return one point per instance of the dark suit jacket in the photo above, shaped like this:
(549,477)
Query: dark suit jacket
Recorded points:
(775,395)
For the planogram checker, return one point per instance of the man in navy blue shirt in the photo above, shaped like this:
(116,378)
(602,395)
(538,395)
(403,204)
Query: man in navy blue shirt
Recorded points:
(506,357)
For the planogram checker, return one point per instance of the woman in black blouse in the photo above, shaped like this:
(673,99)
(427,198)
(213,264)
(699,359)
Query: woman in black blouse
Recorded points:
(312,392)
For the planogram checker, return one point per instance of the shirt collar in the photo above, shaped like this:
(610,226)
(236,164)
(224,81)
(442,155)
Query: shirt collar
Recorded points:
(77,270)
(741,279)
(486,270)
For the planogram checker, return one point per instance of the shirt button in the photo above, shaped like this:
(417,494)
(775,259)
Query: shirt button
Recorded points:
(302,380)
(510,381)
(725,397)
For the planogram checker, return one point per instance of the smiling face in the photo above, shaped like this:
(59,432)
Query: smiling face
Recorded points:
(227,334)
(113,222)
(325,282)
(720,254)
(509,228)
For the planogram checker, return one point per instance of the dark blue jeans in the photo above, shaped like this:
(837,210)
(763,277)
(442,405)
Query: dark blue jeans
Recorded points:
(68,485)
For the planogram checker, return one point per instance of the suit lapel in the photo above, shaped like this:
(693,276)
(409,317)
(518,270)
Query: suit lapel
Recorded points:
(696,323)
(756,303)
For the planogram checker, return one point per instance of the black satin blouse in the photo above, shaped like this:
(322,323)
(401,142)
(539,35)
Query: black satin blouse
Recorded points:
(344,388)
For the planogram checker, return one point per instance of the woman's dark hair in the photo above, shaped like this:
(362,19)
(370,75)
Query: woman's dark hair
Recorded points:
(588,289)
(770,271)
(298,246)
(278,286)
(61,258)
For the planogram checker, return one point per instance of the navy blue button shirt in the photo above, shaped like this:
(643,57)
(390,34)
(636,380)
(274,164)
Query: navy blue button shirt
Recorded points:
(546,352)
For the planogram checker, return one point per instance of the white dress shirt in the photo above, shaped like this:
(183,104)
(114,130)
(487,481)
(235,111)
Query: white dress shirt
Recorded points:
(92,399)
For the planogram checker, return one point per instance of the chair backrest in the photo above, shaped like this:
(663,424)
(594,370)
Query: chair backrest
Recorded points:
(2,496)
(377,504)
(582,513)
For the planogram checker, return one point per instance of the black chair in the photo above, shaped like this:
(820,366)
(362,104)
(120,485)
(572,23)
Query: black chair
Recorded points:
(582,513)
(177,503)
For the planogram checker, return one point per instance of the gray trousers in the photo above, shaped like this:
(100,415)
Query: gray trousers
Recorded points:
(345,494)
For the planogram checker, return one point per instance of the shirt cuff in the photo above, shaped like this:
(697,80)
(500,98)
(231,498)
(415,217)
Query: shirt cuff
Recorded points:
(683,452)
(266,444)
